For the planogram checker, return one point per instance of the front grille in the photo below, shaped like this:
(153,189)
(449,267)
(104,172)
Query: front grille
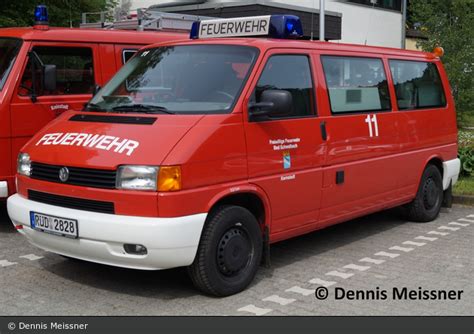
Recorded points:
(72,202)
(86,177)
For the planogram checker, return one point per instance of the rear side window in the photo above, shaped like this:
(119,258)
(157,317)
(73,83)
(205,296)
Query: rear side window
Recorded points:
(293,74)
(417,84)
(356,84)
(127,55)
(74,69)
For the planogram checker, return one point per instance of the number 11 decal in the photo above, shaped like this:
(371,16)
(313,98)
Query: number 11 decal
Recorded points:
(369,120)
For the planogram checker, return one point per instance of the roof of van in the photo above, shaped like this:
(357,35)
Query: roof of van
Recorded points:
(91,35)
(269,43)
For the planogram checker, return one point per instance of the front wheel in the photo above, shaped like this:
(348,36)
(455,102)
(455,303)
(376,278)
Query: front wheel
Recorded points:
(229,253)
(429,198)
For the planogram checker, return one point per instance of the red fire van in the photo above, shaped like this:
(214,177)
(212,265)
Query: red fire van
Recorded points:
(202,153)
(46,71)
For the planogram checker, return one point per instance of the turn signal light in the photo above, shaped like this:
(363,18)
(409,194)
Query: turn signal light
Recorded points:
(169,178)
(438,51)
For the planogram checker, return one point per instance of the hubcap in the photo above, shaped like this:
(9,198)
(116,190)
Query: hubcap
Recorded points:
(234,252)
(430,194)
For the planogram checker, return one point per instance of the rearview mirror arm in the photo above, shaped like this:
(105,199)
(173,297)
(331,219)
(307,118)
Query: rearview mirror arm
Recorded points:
(260,108)
(35,61)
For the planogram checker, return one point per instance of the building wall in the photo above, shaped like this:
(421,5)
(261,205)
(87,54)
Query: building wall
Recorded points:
(360,24)
(366,25)
(411,44)
(141,3)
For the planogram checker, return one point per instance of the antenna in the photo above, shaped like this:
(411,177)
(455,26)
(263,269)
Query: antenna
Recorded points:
(312,20)
(70,15)
(373,2)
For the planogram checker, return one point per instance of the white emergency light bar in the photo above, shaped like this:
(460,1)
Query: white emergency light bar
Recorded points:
(275,26)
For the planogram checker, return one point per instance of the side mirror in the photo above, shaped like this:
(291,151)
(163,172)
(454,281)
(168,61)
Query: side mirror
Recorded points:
(49,77)
(273,103)
(95,90)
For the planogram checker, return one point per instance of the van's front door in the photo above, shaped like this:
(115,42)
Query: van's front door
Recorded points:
(33,105)
(285,152)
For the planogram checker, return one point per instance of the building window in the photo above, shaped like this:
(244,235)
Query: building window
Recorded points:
(386,4)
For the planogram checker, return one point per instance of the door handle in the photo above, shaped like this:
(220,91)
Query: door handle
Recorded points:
(324,134)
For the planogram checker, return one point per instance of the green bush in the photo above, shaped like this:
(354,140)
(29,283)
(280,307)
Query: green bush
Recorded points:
(465,138)
(466,154)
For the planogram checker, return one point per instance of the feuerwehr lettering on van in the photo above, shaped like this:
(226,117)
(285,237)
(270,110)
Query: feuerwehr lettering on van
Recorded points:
(101,142)
(247,26)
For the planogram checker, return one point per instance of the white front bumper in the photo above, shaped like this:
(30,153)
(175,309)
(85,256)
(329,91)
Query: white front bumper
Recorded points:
(171,242)
(3,189)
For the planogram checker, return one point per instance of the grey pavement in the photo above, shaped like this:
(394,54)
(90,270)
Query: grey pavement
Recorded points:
(371,254)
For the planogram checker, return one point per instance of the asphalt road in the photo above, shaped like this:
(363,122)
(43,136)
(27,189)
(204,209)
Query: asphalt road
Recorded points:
(372,256)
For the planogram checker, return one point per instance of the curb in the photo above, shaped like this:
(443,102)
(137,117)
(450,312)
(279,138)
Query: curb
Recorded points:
(463,199)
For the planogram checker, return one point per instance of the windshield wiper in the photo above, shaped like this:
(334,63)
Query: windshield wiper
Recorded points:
(93,107)
(146,108)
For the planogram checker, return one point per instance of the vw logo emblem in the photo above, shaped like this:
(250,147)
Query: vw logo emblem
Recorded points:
(64,174)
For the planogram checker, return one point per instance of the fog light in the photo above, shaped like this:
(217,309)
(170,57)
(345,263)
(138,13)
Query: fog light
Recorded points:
(135,249)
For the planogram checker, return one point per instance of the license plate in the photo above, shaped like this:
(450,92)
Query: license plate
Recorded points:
(64,227)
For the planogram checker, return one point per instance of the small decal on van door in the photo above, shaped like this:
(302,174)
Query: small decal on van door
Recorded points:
(286,160)
(60,106)
(284,144)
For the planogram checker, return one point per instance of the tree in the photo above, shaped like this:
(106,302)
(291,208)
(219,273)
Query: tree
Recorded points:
(124,9)
(62,13)
(450,24)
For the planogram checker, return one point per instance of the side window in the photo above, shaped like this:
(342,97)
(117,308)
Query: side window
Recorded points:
(127,54)
(74,71)
(417,84)
(356,84)
(293,74)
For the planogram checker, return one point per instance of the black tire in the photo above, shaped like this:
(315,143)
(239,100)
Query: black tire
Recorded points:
(229,252)
(429,198)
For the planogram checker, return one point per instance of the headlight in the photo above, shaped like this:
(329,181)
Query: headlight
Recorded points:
(24,164)
(137,177)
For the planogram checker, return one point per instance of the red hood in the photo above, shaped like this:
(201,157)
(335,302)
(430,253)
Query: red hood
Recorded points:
(108,143)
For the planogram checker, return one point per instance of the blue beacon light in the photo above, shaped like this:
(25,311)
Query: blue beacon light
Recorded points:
(41,15)
(286,27)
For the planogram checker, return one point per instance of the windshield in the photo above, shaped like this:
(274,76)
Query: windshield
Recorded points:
(190,79)
(9,48)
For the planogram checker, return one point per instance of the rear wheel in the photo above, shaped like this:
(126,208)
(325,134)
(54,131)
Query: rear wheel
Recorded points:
(229,253)
(429,198)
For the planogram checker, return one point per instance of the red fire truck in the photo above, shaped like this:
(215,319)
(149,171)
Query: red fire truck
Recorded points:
(202,153)
(46,71)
